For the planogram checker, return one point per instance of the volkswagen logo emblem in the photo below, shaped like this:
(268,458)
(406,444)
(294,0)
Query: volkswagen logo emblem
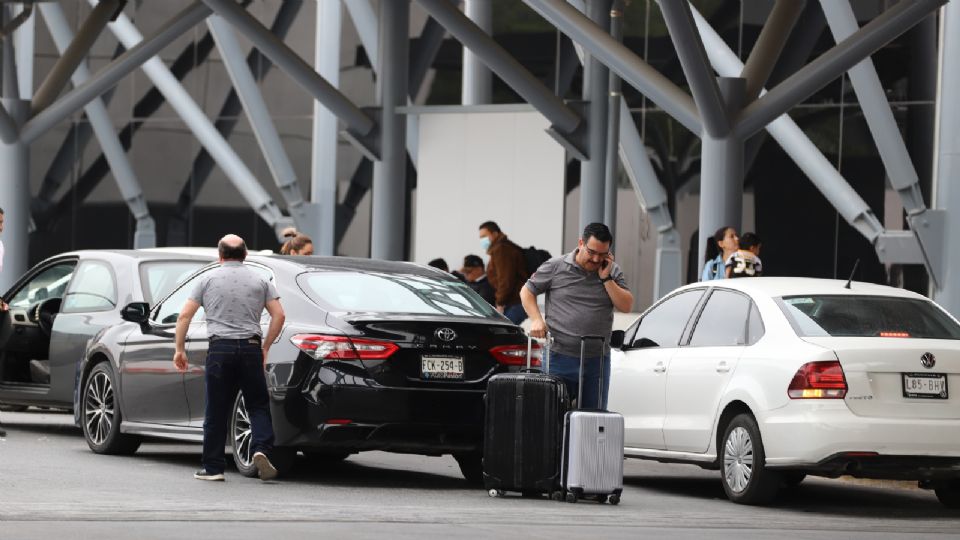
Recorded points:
(445,334)
(928,360)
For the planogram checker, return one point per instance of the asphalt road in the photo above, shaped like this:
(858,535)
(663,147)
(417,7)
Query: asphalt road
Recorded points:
(52,486)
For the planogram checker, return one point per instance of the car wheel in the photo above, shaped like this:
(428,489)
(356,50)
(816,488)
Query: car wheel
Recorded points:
(746,479)
(792,479)
(471,466)
(241,444)
(948,491)
(100,414)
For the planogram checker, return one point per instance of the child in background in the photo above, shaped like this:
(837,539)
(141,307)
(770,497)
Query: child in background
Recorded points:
(745,262)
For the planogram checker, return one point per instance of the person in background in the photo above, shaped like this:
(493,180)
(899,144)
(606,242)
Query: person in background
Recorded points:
(745,262)
(439,264)
(288,234)
(300,244)
(507,270)
(719,248)
(583,288)
(475,276)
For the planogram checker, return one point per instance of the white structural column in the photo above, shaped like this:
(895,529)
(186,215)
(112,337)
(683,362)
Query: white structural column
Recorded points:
(15,197)
(947,174)
(146,234)
(323,170)
(246,183)
(24,46)
(477,86)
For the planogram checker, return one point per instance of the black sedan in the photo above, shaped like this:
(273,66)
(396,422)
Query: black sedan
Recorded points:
(374,355)
(62,302)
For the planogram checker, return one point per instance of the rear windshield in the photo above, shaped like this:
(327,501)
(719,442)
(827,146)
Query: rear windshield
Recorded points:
(866,316)
(393,293)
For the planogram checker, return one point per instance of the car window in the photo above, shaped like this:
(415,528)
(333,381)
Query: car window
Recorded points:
(93,288)
(393,293)
(755,328)
(169,309)
(51,282)
(663,325)
(158,278)
(723,321)
(867,316)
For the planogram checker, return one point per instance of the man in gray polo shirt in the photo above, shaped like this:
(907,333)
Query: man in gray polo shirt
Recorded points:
(233,297)
(582,289)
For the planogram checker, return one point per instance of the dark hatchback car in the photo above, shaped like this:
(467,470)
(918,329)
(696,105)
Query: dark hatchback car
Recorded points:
(374,355)
(62,302)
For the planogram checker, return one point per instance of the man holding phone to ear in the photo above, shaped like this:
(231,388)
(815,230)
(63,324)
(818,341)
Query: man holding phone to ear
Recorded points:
(582,287)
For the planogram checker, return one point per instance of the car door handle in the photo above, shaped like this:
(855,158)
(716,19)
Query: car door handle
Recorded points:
(722,367)
(659,368)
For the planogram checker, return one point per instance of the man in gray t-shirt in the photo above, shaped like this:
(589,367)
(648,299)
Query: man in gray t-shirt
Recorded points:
(582,289)
(233,297)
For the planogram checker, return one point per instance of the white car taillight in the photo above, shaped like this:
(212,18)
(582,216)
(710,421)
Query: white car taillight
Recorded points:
(818,380)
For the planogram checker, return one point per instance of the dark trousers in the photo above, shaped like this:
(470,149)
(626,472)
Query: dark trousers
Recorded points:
(568,368)
(234,364)
(515,313)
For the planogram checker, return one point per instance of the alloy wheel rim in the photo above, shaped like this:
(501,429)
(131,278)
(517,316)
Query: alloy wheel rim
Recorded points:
(738,460)
(242,435)
(99,408)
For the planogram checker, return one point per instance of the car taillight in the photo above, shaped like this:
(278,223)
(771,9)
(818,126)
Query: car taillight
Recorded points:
(323,347)
(516,355)
(818,380)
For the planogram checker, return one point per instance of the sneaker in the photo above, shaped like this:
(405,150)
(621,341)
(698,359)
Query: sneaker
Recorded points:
(203,474)
(263,465)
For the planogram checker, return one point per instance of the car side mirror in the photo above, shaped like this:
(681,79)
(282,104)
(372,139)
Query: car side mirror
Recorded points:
(136,312)
(644,343)
(616,339)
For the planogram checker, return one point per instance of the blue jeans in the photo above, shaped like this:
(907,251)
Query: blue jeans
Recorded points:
(234,364)
(515,313)
(568,368)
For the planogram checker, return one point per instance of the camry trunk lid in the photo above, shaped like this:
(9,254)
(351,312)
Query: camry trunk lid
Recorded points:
(437,353)
(898,377)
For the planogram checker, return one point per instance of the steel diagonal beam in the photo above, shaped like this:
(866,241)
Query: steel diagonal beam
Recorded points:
(227,118)
(833,63)
(564,119)
(73,55)
(621,60)
(359,124)
(773,38)
(114,72)
(696,66)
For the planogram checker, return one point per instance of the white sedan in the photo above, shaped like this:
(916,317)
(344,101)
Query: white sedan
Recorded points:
(771,379)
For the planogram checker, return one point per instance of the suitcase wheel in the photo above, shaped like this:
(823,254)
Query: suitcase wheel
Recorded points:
(557,495)
(572,497)
(495,493)
(614,499)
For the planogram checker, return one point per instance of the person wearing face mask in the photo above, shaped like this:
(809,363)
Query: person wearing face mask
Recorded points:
(583,288)
(506,271)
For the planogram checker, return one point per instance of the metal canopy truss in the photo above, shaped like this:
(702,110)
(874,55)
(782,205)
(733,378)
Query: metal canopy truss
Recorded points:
(145,234)
(360,126)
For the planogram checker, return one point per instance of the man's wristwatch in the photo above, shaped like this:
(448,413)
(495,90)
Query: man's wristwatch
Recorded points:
(606,279)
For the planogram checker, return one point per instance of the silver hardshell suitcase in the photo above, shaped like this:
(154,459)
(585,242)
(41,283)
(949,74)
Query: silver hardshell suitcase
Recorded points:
(592,462)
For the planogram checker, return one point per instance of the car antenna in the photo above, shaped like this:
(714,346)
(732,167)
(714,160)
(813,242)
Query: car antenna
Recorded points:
(857,262)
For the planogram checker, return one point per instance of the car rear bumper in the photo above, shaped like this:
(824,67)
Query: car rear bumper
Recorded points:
(827,438)
(371,417)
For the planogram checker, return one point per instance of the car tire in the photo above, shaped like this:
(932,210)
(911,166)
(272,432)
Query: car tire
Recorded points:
(241,440)
(746,479)
(471,466)
(100,414)
(948,492)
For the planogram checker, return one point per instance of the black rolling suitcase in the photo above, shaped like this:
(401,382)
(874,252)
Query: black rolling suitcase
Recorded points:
(523,431)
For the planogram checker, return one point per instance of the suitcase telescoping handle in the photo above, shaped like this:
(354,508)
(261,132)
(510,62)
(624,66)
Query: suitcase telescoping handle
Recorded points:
(544,355)
(603,350)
